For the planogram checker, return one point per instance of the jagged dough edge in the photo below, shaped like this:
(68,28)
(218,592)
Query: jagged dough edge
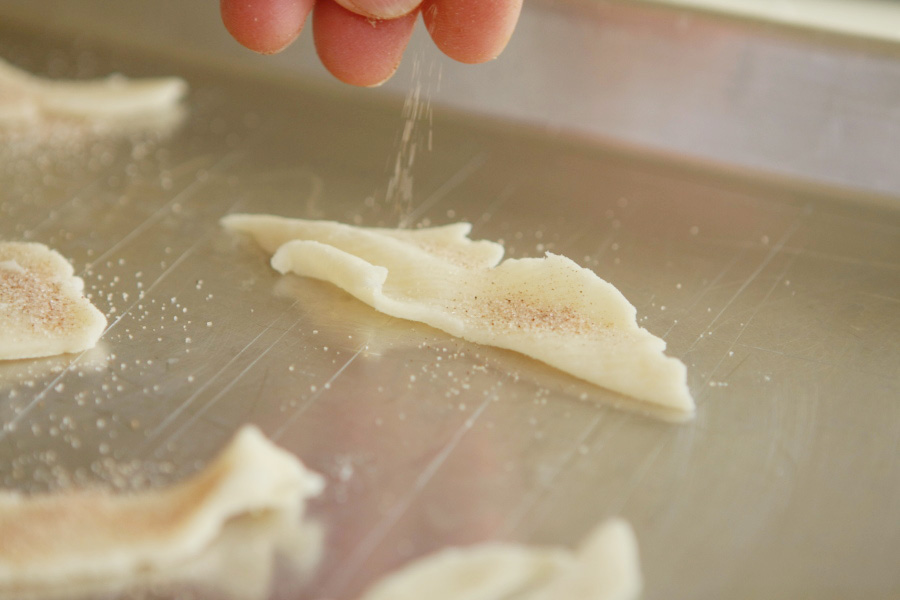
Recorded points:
(547,308)
(81,535)
(33,277)
(605,567)
(25,96)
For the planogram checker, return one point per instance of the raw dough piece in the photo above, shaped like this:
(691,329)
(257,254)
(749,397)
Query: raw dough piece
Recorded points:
(547,308)
(69,537)
(27,98)
(42,310)
(605,567)
(240,564)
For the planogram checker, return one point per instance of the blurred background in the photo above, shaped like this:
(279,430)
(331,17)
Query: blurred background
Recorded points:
(800,88)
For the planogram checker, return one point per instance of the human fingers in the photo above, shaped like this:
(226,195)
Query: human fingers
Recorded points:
(356,49)
(265,26)
(471,31)
(380,9)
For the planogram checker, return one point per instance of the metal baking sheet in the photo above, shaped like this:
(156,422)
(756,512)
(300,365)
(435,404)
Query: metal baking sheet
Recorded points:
(781,299)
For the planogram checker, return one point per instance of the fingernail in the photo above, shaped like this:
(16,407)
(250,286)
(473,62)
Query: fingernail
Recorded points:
(383,81)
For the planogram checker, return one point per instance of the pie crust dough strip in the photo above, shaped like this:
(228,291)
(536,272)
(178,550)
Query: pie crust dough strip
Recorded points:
(42,309)
(605,567)
(67,537)
(25,97)
(240,564)
(547,308)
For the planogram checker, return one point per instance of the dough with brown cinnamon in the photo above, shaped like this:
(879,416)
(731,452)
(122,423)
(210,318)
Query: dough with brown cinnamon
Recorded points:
(67,537)
(42,309)
(547,308)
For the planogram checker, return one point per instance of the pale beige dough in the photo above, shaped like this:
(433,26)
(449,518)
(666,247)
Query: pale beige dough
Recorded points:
(547,308)
(42,309)
(27,98)
(604,567)
(240,564)
(71,537)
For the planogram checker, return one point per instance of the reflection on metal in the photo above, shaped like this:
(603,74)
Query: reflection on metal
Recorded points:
(879,19)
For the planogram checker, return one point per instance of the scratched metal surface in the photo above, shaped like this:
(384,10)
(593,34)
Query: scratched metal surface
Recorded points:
(782,301)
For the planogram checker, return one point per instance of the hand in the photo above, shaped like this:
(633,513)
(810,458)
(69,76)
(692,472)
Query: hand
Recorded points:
(361,42)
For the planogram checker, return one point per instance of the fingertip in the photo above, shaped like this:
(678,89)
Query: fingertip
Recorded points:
(471,31)
(358,50)
(265,26)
